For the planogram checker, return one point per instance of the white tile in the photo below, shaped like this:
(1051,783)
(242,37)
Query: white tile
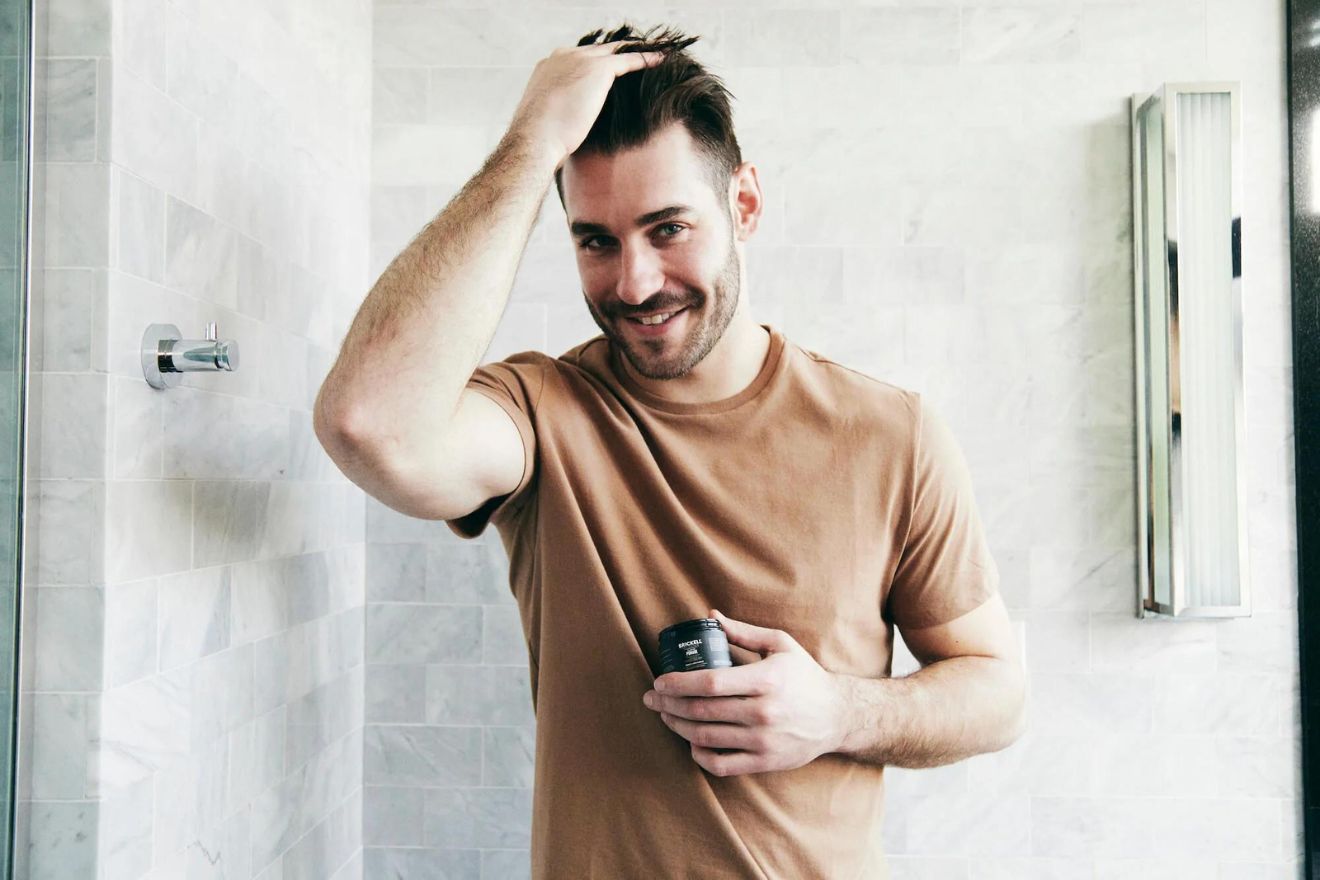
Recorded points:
(921,35)
(62,840)
(130,619)
(74,510)
(69,92)
(1125,643)
(124,842)
(974,824)
(194,615)
(137,429)
(140,30)
(778,37)
(1029,868)
(73,417)
(66,624)
(1160,765)
(141,113)
(139,226)
(1037,764)
(200,255)
(76,233)
(1264,642)
(1265,766)
(1020,34)
(1223,704)
(64,736)
(144,728)
(78,27)
(415,154)
(61,303)
(149,528)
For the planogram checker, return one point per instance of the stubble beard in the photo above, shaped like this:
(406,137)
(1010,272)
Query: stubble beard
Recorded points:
(702,337)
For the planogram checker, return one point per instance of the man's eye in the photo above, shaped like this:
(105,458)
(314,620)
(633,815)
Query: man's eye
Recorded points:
(587,243)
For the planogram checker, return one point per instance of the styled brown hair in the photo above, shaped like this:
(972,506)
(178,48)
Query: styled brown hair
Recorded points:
(676,89)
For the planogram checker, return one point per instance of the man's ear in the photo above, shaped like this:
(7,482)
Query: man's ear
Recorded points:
(745,200)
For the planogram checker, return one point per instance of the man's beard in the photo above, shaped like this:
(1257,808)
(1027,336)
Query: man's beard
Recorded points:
(702,335)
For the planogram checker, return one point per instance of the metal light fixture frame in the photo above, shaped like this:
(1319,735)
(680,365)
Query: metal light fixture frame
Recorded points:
(1178,606)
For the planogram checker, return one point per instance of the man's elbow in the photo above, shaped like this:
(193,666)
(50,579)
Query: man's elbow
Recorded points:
(1010,704)
(1018,716)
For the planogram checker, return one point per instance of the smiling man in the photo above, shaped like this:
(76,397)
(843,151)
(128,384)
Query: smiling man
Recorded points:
(686,461)
(664,287)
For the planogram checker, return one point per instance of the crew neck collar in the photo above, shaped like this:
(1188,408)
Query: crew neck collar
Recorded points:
(773,357)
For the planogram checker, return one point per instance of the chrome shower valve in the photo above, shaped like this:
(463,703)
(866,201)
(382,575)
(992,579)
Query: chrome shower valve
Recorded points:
(166,356)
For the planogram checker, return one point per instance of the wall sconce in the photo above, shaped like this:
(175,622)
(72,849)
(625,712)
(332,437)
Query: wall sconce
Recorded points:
(1187,258)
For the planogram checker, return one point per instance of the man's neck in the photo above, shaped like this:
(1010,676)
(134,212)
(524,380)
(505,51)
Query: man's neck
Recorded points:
(732,365)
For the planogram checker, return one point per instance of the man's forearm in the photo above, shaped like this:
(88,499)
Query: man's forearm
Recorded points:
(945,712)
(432,313)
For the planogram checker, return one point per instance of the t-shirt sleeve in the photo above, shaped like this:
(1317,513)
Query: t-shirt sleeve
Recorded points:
(945,568)
(514,383)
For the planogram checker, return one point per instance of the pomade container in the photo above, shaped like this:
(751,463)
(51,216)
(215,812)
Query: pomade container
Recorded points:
(694,644)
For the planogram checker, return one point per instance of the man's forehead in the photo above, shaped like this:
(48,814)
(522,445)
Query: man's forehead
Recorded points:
(660,174)
(639,198)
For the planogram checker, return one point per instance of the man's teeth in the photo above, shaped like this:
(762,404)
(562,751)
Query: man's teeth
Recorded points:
(657,319)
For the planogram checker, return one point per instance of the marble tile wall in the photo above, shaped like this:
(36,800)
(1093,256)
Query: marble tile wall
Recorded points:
(948,209)
(193,637)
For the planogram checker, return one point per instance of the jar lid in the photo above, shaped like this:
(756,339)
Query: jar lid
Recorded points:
(699,623)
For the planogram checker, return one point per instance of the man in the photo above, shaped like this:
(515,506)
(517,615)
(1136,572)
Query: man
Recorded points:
(687,461)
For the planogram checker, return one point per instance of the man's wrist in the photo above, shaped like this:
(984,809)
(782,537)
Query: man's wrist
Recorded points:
(540,150)
(847,716)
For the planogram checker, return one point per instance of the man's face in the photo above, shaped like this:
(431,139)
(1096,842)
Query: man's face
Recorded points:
(684,259)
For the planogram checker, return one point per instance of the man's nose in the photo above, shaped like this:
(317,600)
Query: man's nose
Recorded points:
(640,275)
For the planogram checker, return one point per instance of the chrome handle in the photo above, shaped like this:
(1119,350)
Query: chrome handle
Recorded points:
(165,356)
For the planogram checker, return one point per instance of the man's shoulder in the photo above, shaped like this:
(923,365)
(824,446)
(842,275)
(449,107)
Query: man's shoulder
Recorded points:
(586,353)
(557,384)
(579,357)
(852,389)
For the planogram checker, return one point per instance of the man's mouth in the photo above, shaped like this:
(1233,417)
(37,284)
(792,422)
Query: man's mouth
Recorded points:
(658,318)
(658,324)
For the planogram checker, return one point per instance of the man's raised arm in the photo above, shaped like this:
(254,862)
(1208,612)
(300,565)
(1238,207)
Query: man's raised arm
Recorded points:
(393,392)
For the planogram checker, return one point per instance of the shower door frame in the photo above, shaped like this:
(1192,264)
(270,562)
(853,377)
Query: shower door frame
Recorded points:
(27,116)
(1303,61)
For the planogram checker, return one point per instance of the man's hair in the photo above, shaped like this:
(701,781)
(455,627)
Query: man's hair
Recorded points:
(675,89)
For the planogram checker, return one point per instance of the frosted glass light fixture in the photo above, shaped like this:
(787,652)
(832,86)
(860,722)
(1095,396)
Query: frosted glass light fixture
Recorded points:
(1187,258)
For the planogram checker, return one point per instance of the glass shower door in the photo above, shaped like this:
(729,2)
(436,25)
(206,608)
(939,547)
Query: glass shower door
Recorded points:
(15,184)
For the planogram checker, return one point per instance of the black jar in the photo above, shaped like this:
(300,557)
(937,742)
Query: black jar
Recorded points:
(694,644)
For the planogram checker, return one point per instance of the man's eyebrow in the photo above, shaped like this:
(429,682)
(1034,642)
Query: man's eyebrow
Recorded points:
(582,227)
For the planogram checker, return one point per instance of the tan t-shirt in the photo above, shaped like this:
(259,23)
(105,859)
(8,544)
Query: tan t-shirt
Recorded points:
(817,500)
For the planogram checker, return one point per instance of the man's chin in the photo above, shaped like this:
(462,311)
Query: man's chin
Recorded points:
(670,365)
